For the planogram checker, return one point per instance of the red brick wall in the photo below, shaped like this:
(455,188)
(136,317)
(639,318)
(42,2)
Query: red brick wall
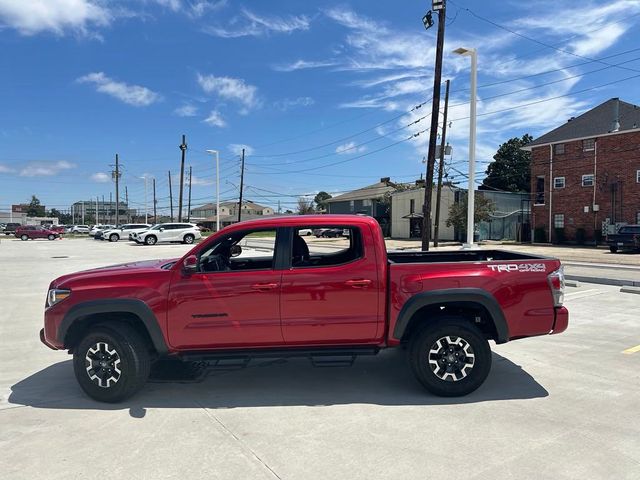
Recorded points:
(618,160)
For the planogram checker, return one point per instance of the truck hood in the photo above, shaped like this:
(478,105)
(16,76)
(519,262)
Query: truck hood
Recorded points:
(119,270)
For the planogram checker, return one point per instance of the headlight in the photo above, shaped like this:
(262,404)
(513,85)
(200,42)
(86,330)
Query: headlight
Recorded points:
(56,295)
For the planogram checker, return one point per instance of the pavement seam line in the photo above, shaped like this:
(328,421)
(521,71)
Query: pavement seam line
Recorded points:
(243,444)
(631,350)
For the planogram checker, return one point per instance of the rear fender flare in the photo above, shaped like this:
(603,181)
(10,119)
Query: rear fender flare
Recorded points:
(458,295)
(84,310)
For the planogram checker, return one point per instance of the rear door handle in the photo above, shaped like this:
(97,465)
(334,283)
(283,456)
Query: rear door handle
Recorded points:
(362,283)
(263,287)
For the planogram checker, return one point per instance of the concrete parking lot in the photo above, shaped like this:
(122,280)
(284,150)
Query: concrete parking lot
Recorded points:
(562,406)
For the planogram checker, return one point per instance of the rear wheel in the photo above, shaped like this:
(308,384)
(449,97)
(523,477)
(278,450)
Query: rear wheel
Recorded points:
(114,237)
(450,357)
(188,239)
(111,363)
(613,249)
(151,240)
(24,238)
(51,237)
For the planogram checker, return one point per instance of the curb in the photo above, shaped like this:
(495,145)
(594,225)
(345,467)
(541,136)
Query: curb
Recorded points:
(630,290)
(604,281)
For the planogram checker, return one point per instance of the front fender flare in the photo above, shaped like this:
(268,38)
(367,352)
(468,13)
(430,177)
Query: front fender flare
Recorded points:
(79,312)
(456,295)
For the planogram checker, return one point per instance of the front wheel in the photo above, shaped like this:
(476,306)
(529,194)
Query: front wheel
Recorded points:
(114,237)
(613,249)
(450,357)
(111,363)
(188,239)
(51,237)
(24,238)
(150,240)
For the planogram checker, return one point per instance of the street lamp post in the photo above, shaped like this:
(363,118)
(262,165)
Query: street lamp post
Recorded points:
(217,154)
(471,52)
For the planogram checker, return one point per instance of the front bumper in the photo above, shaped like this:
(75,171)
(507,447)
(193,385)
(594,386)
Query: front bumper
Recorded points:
(44,340)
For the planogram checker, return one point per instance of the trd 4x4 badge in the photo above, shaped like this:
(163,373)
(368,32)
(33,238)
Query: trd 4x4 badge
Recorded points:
(518,267)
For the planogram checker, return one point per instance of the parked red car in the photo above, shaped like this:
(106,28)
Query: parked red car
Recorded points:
(259,289)
(27,232)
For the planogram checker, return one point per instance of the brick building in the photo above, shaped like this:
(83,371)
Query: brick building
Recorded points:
(585,174)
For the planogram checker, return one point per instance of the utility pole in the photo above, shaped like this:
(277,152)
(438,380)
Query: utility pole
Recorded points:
(110,208)
(189,204)
(126,199)
(436,226)
(97,211)
(241,185)
(117,177)
(104,213)
(440,6)
(146,204)
(183,149)
(170,196)
(155,220)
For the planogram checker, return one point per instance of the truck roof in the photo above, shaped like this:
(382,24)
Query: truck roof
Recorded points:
(310,220)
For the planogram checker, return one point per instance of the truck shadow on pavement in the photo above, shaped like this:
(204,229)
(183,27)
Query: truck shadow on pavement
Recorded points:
(384,379)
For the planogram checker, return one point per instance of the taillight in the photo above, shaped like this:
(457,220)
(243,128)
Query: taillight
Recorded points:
(556,283)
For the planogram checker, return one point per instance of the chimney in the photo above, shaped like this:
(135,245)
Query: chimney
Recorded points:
(420,183)
(615,125)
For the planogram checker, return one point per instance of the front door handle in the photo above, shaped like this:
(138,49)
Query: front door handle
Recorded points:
(264,287)
(361,283)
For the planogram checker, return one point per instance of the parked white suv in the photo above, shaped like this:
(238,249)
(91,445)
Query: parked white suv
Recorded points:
(79,229)
(125,231)
(168,232)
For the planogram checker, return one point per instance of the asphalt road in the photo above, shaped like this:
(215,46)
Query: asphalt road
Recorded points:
(563,406)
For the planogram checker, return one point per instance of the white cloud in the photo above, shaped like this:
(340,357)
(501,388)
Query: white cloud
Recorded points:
(6,169)
(197,181)
(228,88)
(45,169)
(303,65)
(252,24)
(30,17)
(349,148)
(173,5)
(101,177)
(186,110)
(135,95)
(201,7)
(236,149)
(289,103)
(215,119)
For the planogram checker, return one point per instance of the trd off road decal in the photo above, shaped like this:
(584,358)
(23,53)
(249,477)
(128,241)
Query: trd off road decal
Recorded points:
(518,267)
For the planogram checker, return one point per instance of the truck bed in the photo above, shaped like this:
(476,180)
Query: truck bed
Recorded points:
(458,256)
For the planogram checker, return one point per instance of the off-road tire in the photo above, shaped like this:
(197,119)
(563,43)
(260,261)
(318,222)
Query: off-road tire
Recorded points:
(188,239)
(613,249)
(424,344)
(150,240)
(134,362)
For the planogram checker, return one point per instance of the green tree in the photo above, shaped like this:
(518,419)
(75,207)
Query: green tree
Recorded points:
(63,218)
(321,200)
(35,208)
(305,206)
(458,211)
(511,168)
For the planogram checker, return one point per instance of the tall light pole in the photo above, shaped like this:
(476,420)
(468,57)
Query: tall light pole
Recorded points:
(217,154)
(471,52)
(146,206)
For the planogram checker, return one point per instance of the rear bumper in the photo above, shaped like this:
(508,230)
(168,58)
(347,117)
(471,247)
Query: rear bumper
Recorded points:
(561,321)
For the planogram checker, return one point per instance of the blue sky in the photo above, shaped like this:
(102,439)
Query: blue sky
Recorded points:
(320,93)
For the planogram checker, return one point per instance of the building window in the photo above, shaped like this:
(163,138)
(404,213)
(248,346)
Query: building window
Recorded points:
(587,180)
(558,148)
(558,220)
(558,182)
(637,176)
(539,195)
(351,204)
(366,202)
(589,144)
(412,206)
(638,218)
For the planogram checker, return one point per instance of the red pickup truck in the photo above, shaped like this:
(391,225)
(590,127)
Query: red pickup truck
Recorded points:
(259,289)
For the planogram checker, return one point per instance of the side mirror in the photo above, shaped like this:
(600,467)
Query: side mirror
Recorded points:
(162,229)
(190,264)
(236,250)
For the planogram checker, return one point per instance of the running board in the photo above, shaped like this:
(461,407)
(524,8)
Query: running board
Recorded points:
(318,356)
